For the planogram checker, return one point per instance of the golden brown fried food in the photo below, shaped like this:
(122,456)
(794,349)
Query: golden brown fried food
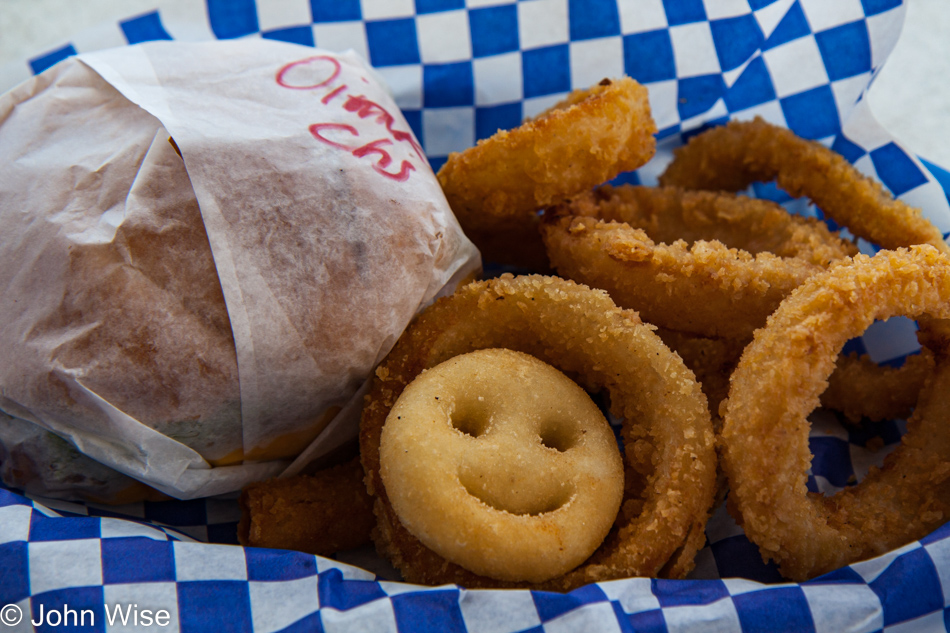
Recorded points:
(861,389)
(321,514)
(587,139)
(711,359)
(693,261)
(776,386)
(668,438)
(502,464)
(733,156)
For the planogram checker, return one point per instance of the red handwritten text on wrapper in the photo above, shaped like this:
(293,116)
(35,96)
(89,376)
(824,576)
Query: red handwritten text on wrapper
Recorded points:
(322,73)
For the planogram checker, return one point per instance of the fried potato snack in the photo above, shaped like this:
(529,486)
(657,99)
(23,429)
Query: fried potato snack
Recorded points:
(669,442)
(502,464)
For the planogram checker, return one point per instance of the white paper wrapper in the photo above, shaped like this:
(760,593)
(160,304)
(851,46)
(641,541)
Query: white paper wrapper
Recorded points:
(207,248)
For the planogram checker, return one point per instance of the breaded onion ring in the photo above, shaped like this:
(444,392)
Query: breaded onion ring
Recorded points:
(776,386)
(583,141)
(612,238)
(668,437)
(323,513)
(861,389)
(711,359)
(733,156)
(858,388)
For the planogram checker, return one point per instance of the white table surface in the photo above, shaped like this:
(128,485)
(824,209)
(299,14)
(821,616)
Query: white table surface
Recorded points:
(911,97)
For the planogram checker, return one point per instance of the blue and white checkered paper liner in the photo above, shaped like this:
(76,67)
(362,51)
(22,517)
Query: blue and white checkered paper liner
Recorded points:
(95,564)
(460,70)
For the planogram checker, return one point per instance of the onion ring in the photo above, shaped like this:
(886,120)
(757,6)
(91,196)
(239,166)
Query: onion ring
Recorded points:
(603,239)
(733,156)
(863,390)
(711,359)
(583,141)
(665,283)
(777,384)
(858,388)
(667,430)
(323,513)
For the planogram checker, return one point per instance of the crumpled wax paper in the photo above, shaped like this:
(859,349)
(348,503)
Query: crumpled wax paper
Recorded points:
(207,248)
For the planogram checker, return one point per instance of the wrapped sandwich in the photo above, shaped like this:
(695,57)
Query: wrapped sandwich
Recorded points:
(207,248)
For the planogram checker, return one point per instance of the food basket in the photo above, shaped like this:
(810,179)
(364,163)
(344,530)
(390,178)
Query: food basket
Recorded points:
(460,71)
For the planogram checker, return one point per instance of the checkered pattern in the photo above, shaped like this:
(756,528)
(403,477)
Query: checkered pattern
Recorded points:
(95,564)
(212,520)
(461,69)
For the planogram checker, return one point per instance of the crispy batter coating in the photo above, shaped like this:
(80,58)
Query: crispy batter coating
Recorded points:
(708,287)
(711,359)
(776,386)
(585,140)
(861,389)
(581,142)
(733,156)
(321,514)
(693,261)
(668,437)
